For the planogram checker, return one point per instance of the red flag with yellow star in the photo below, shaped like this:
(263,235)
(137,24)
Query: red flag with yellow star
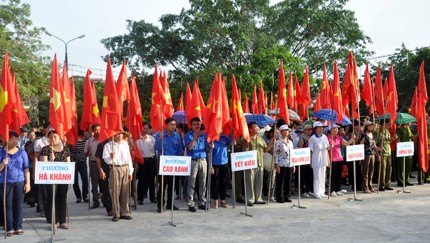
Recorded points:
(168,108)
(156,113)
(68,113)
(291,100)
(87,103)
(122,88)
(282,95)
(6,99)
(57,111)
(197,105)
(337,97)
(326,92)
(246,104)
(111,122)
(213,119)
(317,105)
(262,101)
(238,121)
(133,120)
(392,97)
(379,93)
(254,104)
(15,124)
(423,157)
(180,106)
(72,134)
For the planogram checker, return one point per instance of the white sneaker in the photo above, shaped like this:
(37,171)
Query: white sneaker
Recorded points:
(305,195)
(339,193)
(311,194)
(333,194)
(343,191)
(317,196)
(324,196)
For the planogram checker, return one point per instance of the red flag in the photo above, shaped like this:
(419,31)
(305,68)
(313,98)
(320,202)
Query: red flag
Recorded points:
(246,104)
(156,113)
(19,107)
(337,97)
(5,99)
(262,101)
(95,110)
(297,92)
(325,94)
(413,109)
(386,88)
(367,88)
(68,113)
(111,122)
(254,101)
(56,107)
(423,159)
(133,119)
(180,106)
(15,124)
(72,134)
(239,125)
(122,89)
(87,103)
(226,125)
(188,101)
(272,104)
(317,105)
(213,118)
(291,101)
(351,89)
(282,95)
(168,108)
(379,94)
(197,106)
(392,97)
(306,98)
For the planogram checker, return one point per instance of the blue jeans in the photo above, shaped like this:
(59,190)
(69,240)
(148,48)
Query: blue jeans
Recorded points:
(14,200)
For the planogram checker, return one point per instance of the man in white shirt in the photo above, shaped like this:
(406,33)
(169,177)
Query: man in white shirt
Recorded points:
(116,154)
(148,170)
(90,151)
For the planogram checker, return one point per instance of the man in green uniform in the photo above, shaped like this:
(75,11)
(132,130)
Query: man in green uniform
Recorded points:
(383,140)
(404,134)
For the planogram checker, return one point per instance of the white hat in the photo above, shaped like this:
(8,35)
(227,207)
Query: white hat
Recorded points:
(334,125)
(319,124)
(284,127)
(367,123)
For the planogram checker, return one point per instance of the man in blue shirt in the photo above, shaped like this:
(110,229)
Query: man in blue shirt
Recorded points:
(197,144)
(168,142)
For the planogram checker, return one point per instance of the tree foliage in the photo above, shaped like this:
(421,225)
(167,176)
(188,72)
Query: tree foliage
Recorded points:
(22,40)
(244,37)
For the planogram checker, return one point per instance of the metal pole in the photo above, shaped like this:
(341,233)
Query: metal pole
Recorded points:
(246,196)
(273,163)
(89,182)
(171,206)
(233,180)
(4,194)
(208,186)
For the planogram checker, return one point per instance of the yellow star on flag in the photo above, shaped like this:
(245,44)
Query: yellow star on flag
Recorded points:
(3,98)
(56,99)
(153,96)
(197,108)
(96,110)
(105,101)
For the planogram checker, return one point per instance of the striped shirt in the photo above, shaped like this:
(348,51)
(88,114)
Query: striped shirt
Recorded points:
(78,152)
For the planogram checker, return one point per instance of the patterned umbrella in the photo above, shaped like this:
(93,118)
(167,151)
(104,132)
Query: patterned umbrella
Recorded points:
(261,119)
(331,115)
(293,115)
(402,118)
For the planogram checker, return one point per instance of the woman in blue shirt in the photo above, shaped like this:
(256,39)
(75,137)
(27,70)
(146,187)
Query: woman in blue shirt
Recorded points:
(17,183)
(219,170)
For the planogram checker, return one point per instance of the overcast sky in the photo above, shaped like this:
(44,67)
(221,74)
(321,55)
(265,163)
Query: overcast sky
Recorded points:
(387,22)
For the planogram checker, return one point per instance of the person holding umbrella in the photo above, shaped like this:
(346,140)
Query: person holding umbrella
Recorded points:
(319,147)
(17,183)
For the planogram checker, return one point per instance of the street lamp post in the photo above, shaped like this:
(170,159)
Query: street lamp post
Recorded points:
(65,45)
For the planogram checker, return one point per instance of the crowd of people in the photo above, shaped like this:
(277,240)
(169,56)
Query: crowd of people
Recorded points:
(113,167)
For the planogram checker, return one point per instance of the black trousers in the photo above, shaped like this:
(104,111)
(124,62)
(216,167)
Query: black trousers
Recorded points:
(106,198)
(146,179)
(336,176)
(168,181)
(218,183)
(81,169)
(60,203)
(283,184)
(306,179)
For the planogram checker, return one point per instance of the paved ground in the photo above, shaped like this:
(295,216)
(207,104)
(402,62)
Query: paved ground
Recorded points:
(384,217)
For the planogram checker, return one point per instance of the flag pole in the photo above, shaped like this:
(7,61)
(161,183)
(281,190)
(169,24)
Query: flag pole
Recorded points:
(331,145)
(273,150)
(208,186)
(114,198)
(4,193)
(89,182)
(233,180)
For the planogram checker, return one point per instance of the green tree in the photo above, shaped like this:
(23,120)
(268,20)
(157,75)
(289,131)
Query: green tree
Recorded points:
(244,37)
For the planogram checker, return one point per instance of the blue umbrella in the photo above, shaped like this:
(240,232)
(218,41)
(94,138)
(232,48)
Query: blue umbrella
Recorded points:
(331,115)
(261,119)
(180,116)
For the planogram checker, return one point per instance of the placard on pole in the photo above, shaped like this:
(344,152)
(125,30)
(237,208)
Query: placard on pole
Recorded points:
(174,166)
(242,161)
(298,157)
(404,149)
(355,153)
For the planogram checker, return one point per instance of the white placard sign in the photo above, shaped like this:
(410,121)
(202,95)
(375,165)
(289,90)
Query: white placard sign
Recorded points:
(355,152)
(405,149)
(55,173)
(175,165)
(244,160)
(300,156)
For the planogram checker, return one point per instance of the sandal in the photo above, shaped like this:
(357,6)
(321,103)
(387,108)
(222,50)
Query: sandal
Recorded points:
(215,206)
(19,232)
(224,205)
(10,233)
(64,226)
